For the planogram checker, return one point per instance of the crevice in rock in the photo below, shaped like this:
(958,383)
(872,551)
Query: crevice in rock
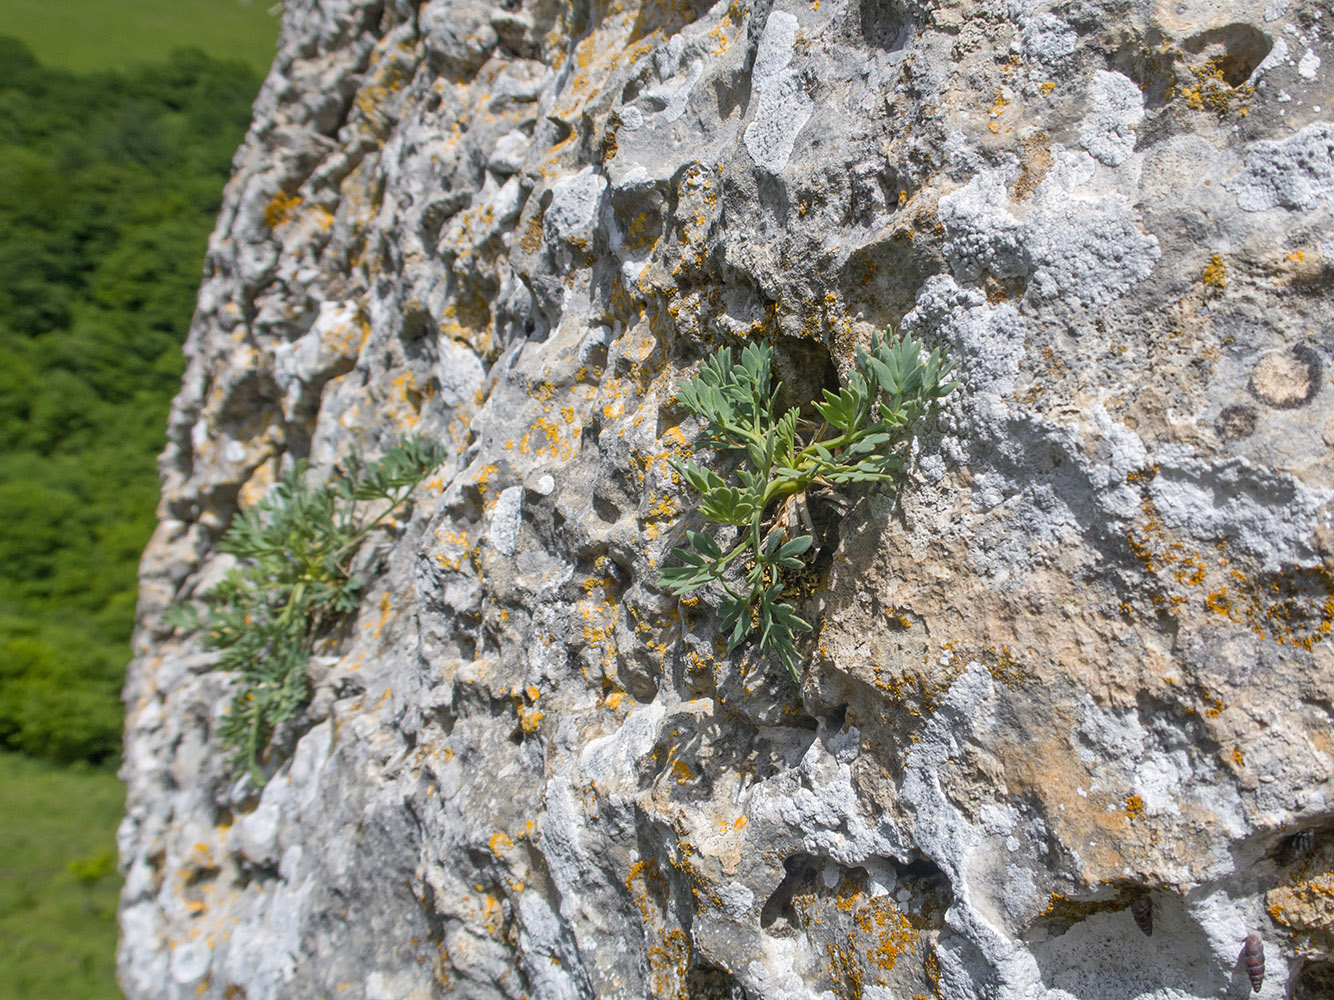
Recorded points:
(1314,981)
(1150,61)
(248,873)
(884,24)
(800,871)
(706,981)
(1235,50)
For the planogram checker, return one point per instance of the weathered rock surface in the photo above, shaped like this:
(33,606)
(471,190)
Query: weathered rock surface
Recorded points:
(1082,656)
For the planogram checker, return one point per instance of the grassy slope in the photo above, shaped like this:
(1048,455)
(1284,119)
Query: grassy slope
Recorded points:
(115,34)
(58,883)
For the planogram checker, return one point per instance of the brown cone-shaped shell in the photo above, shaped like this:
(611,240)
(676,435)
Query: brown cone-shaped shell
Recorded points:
(1254,954)
(1142,910)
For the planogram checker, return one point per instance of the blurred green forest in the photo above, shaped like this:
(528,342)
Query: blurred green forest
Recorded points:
(110,183)
(85,35)
(109,186)
(111,175)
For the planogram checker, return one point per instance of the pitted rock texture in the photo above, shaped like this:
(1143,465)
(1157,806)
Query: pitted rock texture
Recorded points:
(1083,655)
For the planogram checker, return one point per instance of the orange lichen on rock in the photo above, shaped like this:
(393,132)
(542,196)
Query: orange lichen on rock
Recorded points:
(1215,273)
(881,934)
(280,209)
(1306,910)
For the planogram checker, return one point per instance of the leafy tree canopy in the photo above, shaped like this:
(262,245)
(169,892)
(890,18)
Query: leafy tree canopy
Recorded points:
(109,186)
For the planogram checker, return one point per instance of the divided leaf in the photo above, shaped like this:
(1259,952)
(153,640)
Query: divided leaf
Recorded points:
(871,417)
(292,582)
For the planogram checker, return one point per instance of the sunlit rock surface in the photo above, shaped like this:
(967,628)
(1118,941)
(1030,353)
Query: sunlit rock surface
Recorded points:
(1082,656)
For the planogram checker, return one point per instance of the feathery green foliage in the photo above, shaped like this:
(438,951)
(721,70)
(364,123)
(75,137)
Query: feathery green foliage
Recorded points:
(866,422)
(294,581)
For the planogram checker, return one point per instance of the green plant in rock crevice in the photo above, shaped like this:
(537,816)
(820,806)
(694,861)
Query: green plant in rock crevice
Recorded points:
(293,582)
(864,426)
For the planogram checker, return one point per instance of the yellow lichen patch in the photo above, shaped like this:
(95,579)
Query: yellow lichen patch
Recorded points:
(1306,910)
(1047,373)
(881,934)
(386,610)
(681,772)
(1062,907)
(887,930)
(643,232)
(1046,88)
(500,843)
(850,893)
(1211,91)
(998,104)
(454,547)
(601,614)
(483,481)
(280,209)
(719,34)
(1035,162)
(668,948)
(385,79)
(1134,807)
(406,398)
(546,438)
(492,916)
(1006,667)
(1215,273)
(529,718)
(258,484)
(1157,551)
(531,240)
(1290,608)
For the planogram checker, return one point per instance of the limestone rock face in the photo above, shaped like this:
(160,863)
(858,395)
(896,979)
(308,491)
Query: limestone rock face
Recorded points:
(1082,656)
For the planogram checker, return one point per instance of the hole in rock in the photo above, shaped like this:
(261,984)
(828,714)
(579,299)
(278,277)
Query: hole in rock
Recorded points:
(1234,50)
(588,434)
(918,868)
(606,511)
(417,324)
(805,368)
(800,873)
(1314,981)
(249,873)
(709,982)
(202,876)
(884,26)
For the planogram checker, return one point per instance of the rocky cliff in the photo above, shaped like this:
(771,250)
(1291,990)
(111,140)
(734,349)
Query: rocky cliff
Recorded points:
(1070,682)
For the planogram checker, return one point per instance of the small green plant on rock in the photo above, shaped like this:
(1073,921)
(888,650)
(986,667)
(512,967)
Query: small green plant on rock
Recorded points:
(864,426)
(293,582)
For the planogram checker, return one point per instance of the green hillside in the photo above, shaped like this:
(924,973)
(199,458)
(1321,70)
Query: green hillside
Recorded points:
(100,34)
(110,183)
(109,186)
(58,881)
